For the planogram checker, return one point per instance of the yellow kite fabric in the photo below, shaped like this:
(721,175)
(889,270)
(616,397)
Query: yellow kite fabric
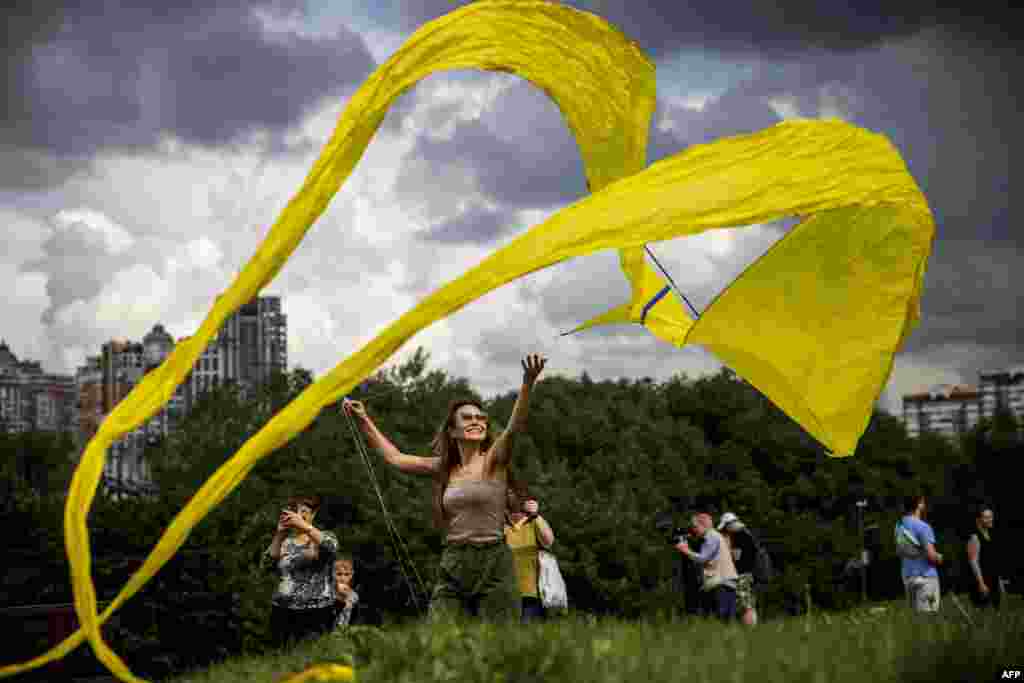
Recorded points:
(651,304)
(814,324)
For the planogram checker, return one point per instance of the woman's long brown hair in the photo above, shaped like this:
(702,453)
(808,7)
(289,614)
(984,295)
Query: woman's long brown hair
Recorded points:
(446,448)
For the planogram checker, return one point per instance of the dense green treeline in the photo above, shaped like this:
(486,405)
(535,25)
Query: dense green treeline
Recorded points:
(607,461)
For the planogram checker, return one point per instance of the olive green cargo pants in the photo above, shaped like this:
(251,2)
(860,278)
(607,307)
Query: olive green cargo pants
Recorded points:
(476,580)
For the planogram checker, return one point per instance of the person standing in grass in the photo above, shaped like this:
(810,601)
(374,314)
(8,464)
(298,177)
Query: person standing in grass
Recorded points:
(346,597)
(477,576)
(744,555)
(985,558)
(303,558)
(698,602)
(715,557)
(920,562)
(526,532)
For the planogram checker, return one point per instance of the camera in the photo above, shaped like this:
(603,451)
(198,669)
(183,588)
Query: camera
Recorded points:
(672,533)
(677,536)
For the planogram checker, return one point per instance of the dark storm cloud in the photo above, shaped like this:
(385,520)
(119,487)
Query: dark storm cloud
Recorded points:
(478,224)
(948,105)
(519,151)
(108,75)
(734,113)
(974,292)
(775,29)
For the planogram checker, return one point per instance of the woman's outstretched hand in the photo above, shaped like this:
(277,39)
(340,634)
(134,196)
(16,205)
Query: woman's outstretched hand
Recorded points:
(532,365)
(354,408)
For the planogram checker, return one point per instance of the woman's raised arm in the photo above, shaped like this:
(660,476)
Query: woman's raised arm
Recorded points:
(502,449)
(413,464)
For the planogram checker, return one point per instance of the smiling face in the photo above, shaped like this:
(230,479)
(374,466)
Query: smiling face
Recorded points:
(469,423)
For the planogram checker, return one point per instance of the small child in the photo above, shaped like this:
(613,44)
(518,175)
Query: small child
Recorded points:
(345,596)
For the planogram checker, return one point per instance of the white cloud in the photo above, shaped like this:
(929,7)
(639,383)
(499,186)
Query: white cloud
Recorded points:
(200,254)
(834,100)
(23,237)
(694,101)
(310,323)
(126,307)
(132,299)
(21,312)
(95,227)
(837,100)
(785,106)
(382,44)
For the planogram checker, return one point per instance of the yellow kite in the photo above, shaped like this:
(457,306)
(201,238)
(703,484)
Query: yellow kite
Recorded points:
(814,324)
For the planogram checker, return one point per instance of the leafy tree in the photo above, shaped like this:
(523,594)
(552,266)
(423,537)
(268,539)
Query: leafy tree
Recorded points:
(606,459)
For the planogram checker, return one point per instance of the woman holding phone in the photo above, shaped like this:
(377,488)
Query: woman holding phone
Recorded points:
(303,558)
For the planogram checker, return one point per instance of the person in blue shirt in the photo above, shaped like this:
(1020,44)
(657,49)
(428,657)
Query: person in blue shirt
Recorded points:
(715,557)
(919,561)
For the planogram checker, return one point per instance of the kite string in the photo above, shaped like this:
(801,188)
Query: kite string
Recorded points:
(401,549)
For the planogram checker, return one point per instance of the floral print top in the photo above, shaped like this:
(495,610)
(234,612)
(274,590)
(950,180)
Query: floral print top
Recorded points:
(306,582)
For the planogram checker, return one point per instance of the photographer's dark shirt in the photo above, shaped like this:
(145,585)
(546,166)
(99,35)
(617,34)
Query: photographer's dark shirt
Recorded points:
(744,552)
(305,583)
(687,576)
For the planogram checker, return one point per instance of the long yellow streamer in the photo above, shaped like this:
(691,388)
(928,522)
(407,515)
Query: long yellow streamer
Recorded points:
(852,271)
(323,672)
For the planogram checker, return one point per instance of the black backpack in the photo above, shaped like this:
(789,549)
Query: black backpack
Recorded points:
(763,570)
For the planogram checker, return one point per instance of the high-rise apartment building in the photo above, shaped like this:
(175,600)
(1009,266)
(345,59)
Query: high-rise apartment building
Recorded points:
(949,410)
(121,367)
(1003,389)
(121,364)
(89,385)
(952,410)
(256,337)
(250,345)
(31,399)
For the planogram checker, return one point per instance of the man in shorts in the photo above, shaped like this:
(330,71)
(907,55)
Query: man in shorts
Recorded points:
(744,554)
(920,562)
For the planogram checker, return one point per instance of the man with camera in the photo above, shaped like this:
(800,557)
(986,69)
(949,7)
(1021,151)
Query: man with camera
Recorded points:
(715,559)
(686,576)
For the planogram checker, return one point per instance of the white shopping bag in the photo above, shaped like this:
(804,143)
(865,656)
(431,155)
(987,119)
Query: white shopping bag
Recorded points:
(550,582)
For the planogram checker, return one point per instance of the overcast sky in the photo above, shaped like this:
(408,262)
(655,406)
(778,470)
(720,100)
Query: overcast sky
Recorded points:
(146,148)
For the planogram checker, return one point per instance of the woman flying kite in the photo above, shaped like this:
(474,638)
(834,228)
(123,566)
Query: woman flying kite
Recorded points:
(471,470)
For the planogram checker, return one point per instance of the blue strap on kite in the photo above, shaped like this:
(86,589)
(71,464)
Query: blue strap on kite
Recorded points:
(650,304)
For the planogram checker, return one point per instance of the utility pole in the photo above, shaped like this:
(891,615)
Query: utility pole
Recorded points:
(861,504)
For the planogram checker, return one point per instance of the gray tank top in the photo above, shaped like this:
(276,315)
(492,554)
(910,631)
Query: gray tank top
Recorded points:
(475,511)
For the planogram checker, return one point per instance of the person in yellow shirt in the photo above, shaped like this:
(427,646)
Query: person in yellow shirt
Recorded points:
(526,532)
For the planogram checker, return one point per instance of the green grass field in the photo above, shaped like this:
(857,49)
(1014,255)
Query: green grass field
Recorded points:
(883,643)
